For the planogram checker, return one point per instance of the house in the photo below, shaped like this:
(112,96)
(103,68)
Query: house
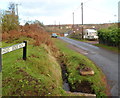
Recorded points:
(66,34)
(90,34)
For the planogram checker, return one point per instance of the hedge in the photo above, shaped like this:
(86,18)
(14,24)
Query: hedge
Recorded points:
(109,36)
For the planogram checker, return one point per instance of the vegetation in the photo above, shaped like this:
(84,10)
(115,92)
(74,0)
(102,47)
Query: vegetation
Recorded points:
(33,77)
(10,19)
(57,29)
(37,75)
(109,36)
(74,62)
(110,48)
(77,36)
(40,74)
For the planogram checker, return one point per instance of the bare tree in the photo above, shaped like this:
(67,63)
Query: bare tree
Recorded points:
(9,19)
(12,7)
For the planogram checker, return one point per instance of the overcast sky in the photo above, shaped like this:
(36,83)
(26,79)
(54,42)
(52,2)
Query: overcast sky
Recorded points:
(60,11)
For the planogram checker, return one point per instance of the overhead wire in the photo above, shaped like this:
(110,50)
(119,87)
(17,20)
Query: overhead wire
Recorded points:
(99,10)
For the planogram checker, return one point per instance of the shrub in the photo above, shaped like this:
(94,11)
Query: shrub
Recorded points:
(109,36)
(31,31)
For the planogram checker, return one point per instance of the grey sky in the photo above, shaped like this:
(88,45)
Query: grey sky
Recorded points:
(49,11)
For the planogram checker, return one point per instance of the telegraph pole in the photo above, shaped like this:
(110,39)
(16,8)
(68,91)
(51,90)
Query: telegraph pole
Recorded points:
(59,25)
(55,25)
(17,9)
(82,18)
(73,19)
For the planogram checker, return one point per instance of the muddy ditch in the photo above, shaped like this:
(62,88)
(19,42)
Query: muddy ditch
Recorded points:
(83,87)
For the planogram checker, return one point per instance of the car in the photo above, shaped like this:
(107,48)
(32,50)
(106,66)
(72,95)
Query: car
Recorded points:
(54,35)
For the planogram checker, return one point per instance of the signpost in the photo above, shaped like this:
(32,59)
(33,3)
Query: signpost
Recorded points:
(12,48)
(0,61)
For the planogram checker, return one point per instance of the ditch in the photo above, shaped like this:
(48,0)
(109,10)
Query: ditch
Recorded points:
(83,87)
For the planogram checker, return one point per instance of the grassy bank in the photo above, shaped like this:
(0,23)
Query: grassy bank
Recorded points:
(39,75)
(33,77)
(74,62)
(0,84)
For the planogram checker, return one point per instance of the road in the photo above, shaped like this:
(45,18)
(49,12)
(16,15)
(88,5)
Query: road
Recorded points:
(104,59)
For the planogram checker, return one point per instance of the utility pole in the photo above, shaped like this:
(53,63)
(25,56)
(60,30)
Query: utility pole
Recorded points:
(55,26)
(17,9)
(82,18)
(73,19)
(59,25)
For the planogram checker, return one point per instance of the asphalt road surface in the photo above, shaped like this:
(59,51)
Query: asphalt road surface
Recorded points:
(106,60)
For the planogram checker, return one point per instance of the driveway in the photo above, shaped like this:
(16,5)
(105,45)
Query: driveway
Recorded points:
(104,59)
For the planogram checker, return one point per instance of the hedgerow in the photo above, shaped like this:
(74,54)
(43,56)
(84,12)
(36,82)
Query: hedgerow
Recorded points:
(109,36)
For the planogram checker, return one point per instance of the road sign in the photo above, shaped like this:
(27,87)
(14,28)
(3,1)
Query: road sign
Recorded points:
(12,48)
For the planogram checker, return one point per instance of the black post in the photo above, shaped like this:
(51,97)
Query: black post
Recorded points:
(25,51)
(0,60)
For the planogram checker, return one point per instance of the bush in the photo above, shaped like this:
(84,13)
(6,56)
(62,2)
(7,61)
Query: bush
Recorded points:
(109,36)
(30,31)
(76,36)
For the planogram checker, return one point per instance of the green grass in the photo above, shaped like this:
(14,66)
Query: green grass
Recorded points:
(39,75)
(83,40)
(0,84)
(110,48)
(73,61)
(34,77)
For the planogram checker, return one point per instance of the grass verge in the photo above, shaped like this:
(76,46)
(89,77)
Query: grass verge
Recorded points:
(75,61)
(0,84)
(39,75)
(34,77)
(110,48)
(84,40)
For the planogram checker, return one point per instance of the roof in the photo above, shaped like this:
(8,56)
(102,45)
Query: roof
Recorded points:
(91,30)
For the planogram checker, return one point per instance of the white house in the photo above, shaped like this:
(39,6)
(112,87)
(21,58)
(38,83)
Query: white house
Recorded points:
(90,34)
(65,34)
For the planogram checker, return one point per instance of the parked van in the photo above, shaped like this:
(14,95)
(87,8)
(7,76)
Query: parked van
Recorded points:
(54,35)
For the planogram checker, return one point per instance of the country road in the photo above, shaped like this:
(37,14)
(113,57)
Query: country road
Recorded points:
(106,60)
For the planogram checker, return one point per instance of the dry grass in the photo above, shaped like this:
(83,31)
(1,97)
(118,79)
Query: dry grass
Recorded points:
(31,31)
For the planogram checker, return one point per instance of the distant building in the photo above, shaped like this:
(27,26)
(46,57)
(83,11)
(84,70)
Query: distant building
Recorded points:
(90,34)
(65,34)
